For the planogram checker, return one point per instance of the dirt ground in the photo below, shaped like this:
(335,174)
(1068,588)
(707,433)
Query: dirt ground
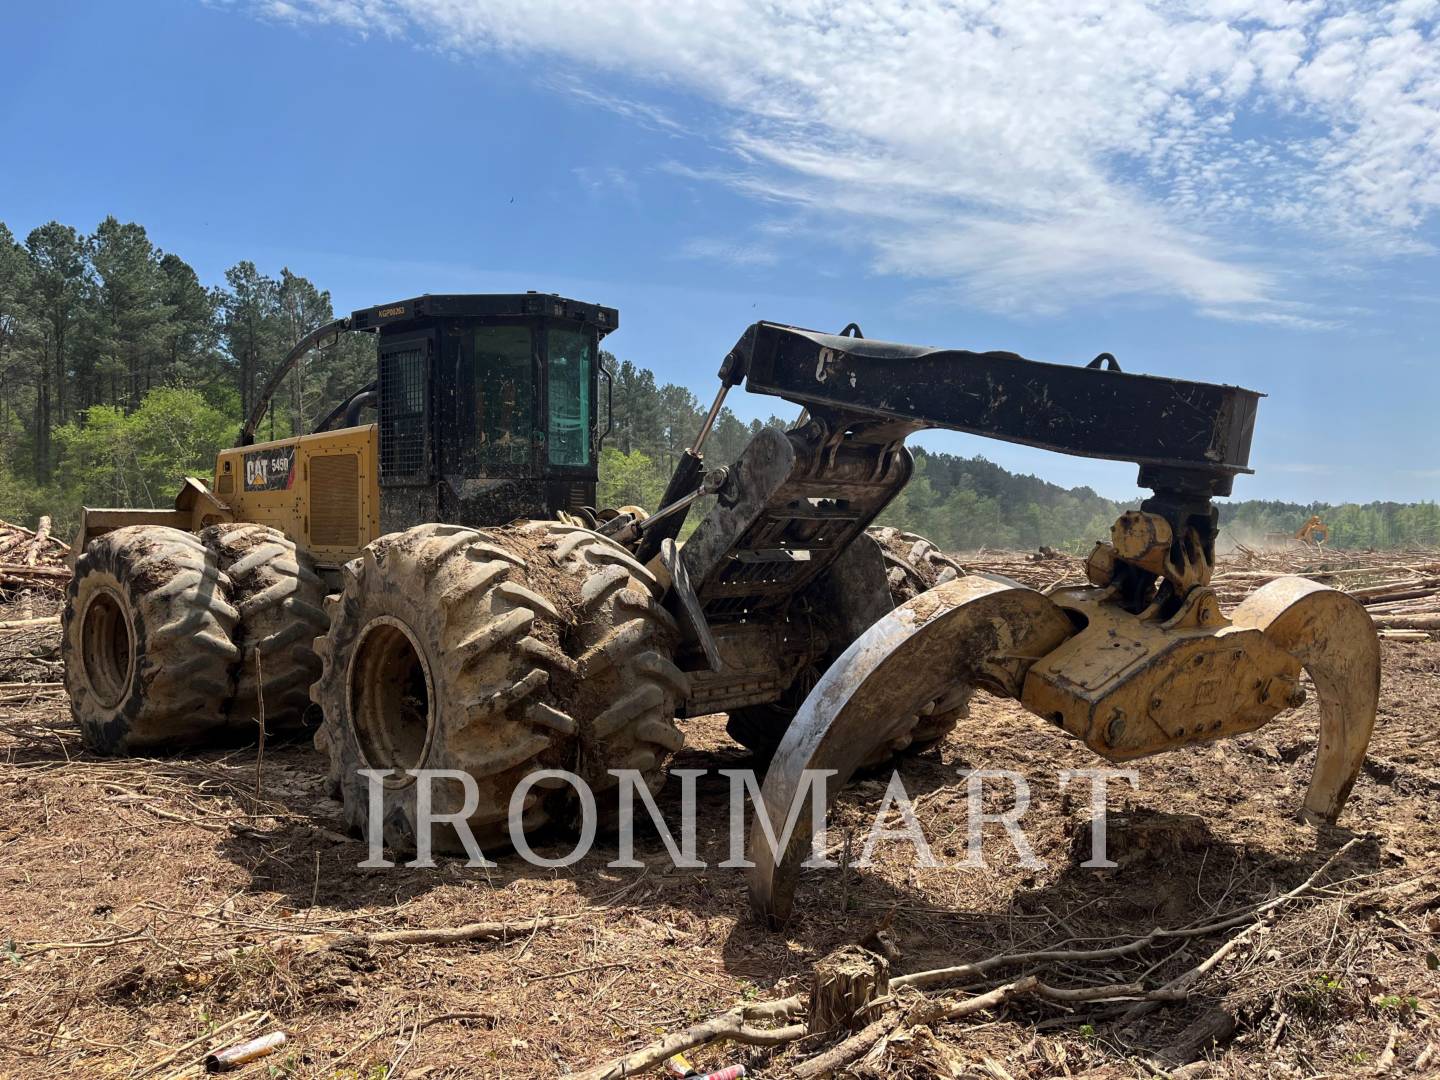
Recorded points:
(135,892)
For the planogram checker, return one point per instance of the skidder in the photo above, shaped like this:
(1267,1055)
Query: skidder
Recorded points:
(483,618)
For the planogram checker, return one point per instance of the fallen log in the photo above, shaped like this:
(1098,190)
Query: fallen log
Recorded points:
(1215,1026)
(1423,606)
(41,533)
(1380,595)
(26,624)
(737,1025)
(1408,622)
(449,935)
(323,940)
(927,1013)
(843,1053)
(20,570)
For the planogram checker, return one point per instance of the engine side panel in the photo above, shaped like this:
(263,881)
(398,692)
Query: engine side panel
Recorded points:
(321,491)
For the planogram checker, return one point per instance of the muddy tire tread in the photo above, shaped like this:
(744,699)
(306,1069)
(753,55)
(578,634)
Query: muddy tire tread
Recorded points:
(179,604)
(281,603)
(624,640)
(487,676)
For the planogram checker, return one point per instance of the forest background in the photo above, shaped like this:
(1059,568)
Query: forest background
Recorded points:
(120,372)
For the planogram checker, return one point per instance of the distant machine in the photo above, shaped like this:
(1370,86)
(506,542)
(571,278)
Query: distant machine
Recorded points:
(1314,532)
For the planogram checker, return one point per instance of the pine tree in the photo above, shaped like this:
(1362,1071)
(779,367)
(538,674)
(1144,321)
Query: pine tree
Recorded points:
(59,282)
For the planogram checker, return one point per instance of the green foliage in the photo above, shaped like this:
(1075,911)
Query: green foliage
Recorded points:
(1400,1006)
(1319,998)
(15,496)
(964,504)
(631,479)
(110,458)
(1352,525)
(120,371)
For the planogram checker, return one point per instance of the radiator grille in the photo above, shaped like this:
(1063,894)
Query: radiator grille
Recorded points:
(402,412)
(335,500)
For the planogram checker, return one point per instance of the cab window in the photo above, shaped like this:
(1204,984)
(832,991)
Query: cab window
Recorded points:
(503,395)
(570,359)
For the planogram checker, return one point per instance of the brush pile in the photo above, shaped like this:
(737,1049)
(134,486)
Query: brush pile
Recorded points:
(1040,569)
(31,558)
(1401,589)
(33,576)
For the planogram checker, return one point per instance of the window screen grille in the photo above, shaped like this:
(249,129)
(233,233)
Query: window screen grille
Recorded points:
(402,411)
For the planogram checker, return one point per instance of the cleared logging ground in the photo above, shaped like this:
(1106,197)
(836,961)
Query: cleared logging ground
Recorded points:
(154,910)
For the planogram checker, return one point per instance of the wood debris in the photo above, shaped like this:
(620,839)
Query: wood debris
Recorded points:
(1400,589)
(32,558)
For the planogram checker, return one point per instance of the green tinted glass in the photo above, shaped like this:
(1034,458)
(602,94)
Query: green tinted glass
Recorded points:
(503,395)
(570,360)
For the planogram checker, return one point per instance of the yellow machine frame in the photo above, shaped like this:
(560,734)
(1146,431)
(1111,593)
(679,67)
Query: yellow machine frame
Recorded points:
(322,491)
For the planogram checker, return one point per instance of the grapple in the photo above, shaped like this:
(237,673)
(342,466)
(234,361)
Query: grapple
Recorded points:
(1128,667)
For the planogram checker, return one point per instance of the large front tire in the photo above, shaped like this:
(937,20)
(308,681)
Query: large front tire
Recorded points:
(439,656)
(147,640)
(495,653)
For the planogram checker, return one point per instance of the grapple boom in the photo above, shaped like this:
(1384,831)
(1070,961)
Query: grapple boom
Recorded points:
(796,501)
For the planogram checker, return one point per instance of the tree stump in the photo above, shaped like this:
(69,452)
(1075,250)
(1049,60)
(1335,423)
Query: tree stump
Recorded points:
(843,986)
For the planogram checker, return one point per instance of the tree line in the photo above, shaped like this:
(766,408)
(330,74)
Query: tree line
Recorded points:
(121,371)
(119,368)
(1377,525)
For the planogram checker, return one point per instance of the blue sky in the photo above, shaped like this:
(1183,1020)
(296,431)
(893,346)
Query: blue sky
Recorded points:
(1229,191)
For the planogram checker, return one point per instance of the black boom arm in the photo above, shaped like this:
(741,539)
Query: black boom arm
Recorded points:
(1186,435)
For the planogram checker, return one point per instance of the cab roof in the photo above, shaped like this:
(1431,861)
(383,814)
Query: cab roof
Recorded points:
(484,305)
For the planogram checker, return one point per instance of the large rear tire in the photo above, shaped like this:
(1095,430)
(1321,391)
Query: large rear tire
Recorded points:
(281,603)
(496,653)
(622,640)
(147,640)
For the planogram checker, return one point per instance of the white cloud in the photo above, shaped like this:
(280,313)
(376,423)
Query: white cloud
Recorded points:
(363,16)
(605,179)
(642,113)
(1029,154)
(736,253)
